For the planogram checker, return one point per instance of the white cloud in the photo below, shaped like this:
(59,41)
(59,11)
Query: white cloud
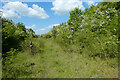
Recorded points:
(10,14)
(96,4)
(15,9)
(62,7)
(90,3)
(42,29)
(45,29)
(33,26)
(51,26)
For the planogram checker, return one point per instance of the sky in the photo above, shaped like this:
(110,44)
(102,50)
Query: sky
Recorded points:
(41,16)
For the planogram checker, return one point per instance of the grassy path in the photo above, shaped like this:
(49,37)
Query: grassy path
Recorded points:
(54,62)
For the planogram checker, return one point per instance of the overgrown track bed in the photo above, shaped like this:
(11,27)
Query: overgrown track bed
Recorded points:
(55,62)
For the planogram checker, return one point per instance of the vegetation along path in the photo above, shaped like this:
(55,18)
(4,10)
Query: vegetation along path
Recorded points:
(56,62)
(86,46)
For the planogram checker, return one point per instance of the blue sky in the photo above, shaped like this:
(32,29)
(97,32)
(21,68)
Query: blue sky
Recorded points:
(41,16)
(43,23)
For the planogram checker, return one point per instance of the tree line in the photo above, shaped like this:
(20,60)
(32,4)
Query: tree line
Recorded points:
(94,31)
(15,37)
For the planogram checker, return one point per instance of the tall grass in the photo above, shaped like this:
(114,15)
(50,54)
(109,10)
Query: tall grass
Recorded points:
(56,62)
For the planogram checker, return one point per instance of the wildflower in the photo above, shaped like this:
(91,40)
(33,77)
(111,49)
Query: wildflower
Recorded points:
(108,16)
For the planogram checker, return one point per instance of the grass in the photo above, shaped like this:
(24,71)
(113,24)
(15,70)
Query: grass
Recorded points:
(54,62)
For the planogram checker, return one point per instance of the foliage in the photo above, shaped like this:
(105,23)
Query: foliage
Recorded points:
(57,62)
(13,37)
(94,31)
(71,49)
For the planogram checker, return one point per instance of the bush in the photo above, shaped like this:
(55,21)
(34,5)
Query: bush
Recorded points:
(8,57)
